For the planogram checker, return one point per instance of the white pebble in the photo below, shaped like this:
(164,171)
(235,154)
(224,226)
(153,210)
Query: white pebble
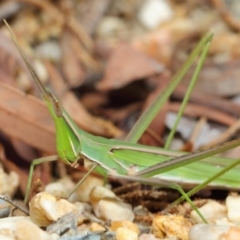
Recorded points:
(40,70)
(126,234)
(108,206)
(154,12)
(49,50)
(22,228)
(223,221)
(84,190)
(45,208)
(62,188)
(213,232)
(212,210)
(8,182)
(233,207)
(111,26)
(97,193)
(114,210)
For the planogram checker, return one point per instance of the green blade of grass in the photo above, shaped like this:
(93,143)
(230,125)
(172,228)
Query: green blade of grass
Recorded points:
(146,118)
(188,93)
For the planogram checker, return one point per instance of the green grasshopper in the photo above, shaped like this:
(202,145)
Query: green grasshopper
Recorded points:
(126,159)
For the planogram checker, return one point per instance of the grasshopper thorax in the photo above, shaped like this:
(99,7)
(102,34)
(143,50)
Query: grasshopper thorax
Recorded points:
(67,143)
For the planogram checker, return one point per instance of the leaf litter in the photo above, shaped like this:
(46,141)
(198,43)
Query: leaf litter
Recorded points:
(109,47)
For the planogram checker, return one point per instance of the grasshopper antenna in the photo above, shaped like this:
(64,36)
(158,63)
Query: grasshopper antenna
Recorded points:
(46,94)
(32,72)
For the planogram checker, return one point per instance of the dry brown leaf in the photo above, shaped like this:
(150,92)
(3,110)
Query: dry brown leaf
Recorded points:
(70,66)
(127,65)
(77,111)
(10,62)
(90,13)
(120,115)
(24,150)
(94,100)
(26,118)
(218,77)
(221,79)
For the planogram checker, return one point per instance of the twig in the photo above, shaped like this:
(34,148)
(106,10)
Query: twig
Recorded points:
(225,135)
(6,199)
(198,129)
(226,14)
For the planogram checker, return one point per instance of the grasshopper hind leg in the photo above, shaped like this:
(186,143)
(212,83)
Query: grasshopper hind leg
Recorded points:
(205,183)
(162,183)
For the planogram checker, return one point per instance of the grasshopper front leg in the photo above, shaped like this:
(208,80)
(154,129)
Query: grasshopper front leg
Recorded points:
(33,164)
(82,179)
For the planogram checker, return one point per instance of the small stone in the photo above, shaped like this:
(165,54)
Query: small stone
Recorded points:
(8,182)
(7,234)
(84,190)
(40,70)
(224,221)
(114,210)
(3,237)
(232,234)
(147,236)
(62,188)
(154,12)
(126,234)
(211,231)
(44,208)
(110,26)
(108,206)
(125,224)
(49,50)
(171,226)
(212,211)
(96,227)
(233,209)
(21,228)
(9,223)
(4,209)
(99,193)
(27,230)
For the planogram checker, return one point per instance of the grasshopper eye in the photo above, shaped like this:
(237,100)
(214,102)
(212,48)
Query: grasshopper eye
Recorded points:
(58,109)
